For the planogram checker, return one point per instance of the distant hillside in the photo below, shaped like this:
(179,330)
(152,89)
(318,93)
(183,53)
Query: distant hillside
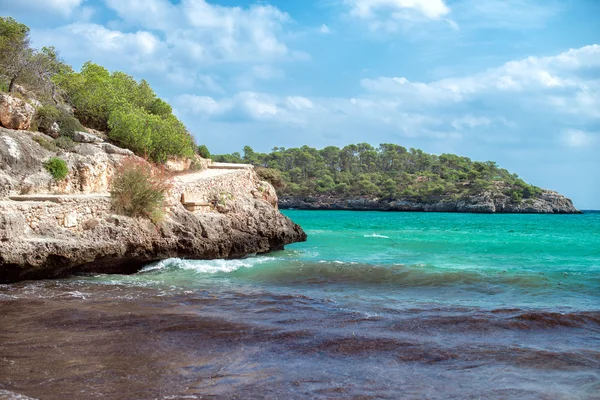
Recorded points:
(380,177)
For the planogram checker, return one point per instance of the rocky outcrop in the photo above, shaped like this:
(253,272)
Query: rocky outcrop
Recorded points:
(15,113)
(549,203)
(84,137)
(51,229)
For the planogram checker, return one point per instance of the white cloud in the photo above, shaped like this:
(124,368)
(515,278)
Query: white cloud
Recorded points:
(61,7)
(187,43)
(141,49)
(299,102)
(576,138)
(201,32)
(324,29)
(198,105)
(561,79)
(392,15)
(432,9)
(528,100)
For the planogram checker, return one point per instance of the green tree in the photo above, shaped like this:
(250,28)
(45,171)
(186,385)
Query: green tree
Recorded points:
(15,54)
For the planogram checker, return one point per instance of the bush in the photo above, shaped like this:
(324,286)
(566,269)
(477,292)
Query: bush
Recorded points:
(45,143)
(69,125)
(203,151)
(57,167)
(45,116)
(65,143)
(149,135)
(272,176)
(139,190)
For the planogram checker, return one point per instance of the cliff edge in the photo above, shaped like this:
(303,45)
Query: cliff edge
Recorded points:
(51,229)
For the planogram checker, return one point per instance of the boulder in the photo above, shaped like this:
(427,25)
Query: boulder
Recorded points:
(53,131)
(15,113)
(112,149)
(178,164)
(84,137)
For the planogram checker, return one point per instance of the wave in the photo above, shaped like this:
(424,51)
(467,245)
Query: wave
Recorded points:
(205,266)
(282,271)
(421,275)
(375,235)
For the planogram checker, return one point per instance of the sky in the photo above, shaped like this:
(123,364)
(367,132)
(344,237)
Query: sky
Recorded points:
(513,81)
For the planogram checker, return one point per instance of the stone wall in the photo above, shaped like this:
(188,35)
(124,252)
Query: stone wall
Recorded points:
(74,213)
(222,189)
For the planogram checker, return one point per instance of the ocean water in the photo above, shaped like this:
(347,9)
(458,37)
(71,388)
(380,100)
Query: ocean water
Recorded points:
(373,305)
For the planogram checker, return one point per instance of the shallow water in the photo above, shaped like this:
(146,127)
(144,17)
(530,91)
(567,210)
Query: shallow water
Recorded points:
(374,305)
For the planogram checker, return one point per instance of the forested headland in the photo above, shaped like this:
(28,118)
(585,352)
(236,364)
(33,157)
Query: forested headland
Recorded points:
(389,171)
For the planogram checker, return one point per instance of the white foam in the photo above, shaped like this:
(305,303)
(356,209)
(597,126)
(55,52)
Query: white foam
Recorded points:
(208,266)
(375,235)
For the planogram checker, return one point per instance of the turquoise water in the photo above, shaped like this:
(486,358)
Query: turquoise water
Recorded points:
(490,261)
(373,305)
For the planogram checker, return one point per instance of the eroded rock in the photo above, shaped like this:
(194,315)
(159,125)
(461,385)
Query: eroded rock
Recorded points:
(45,235)
(15,113)
(84,137)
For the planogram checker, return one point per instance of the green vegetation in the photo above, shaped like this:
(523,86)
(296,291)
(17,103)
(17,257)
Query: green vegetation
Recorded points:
(46,143)
(65,143)
(139,190)
(130,110)
(57,167)
(389,171)
(203,151)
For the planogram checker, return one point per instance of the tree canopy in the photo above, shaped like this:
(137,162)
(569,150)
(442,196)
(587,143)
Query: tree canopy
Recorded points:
(389,171)
(129,110)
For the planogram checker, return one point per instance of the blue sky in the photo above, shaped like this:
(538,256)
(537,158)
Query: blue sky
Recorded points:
(514,81)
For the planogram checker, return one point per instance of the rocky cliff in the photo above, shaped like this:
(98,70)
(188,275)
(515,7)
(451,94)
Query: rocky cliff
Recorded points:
(54,228)
(549,203)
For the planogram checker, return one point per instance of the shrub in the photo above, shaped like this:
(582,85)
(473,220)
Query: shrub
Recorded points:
(203,151)
(65,143)
(150,135)
(139,190)
(45,143)
(57,167)
(272,176)
(45,116)
(516,196)
(69,125)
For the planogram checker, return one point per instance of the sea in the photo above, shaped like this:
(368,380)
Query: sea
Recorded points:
(374,305)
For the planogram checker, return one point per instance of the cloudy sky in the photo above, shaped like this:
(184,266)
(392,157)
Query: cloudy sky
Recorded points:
(514,81)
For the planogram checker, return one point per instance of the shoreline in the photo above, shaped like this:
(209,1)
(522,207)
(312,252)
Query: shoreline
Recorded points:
(486,203)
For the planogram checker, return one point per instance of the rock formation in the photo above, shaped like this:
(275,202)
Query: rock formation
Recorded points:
(14,112)
(549,203)
(54,228)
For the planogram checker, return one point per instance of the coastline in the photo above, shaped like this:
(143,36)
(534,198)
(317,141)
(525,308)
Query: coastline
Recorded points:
(51,229)
(486,203)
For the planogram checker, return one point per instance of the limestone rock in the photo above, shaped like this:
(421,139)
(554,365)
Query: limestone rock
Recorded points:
(45,235)
(178,164)
(84,137)
(12,226)
(53,131)
(112,149)
(549,203)
(15,113)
